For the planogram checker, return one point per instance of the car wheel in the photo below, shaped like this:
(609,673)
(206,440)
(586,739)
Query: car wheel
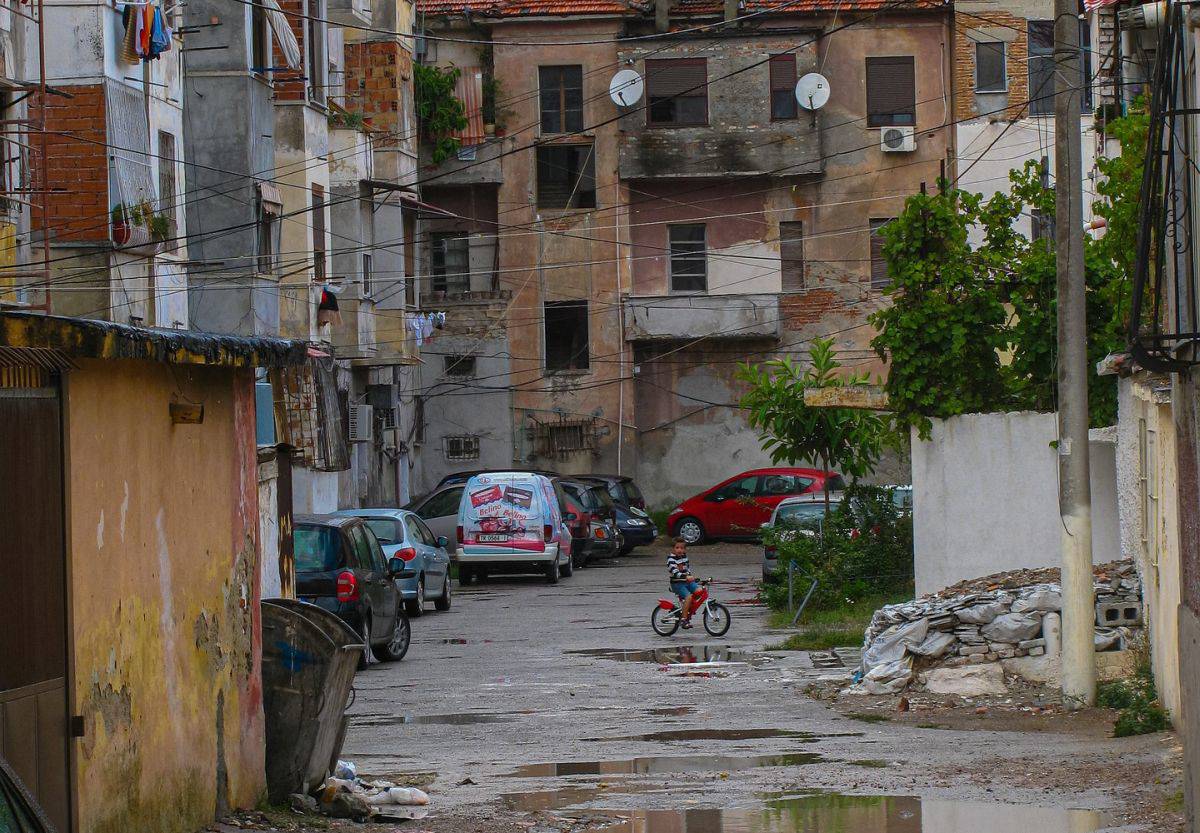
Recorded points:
(567,568)
(552,572)
(415,607)
(577,561)
(442,603)
(397,646)
(365,658)
(690,530)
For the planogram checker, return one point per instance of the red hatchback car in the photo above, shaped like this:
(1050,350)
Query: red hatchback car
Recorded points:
(737,507)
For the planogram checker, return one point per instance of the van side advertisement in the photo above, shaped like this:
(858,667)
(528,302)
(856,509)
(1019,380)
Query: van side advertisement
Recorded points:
(503,513)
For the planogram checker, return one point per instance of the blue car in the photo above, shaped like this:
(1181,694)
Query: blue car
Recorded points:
(403,535)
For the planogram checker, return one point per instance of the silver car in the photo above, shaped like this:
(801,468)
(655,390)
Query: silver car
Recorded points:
(439,510)
(801,510)
(402,534)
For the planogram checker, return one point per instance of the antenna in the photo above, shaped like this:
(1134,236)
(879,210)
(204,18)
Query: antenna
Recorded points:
(812,91)
(626,88)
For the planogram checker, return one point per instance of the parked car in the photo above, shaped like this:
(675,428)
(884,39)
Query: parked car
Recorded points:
(439,510)
(737,507)
(341,567)
(622,489)
(403,535)
(594,529)
(460,478)
(632,522)
(511,522)
(806,512)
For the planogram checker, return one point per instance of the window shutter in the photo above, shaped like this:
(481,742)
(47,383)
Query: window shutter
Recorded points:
(676,76)
(783,72)
(791,256)
(891,85)
(879,270)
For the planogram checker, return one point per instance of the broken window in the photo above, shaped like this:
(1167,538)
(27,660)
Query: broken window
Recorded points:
(167,197)
(366,275)
(566,334)
(990,73)
(791,256)
(461,447)
(677,91)
(879,268)
(459,365)
(689,261)
(450,267)
(561,90)
(783,87)
(566,176)
(891,91)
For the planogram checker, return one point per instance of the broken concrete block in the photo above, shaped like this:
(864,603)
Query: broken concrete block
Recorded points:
(1032,643)
(1037,651)
(969,681)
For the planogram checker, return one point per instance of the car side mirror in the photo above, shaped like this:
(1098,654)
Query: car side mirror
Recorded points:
(395,566)
(443,541)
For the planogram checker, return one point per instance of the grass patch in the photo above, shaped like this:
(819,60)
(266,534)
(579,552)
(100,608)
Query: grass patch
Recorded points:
(1135,699)
(659,516)
(1174,802)
(869,717)
(932,726)
(837,627)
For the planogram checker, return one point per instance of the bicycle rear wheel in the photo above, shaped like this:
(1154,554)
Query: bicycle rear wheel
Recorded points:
(664,622)
(716,619)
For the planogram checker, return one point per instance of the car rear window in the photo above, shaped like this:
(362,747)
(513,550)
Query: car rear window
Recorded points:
(317,548)
(600,498)
(800,512)
(385,530)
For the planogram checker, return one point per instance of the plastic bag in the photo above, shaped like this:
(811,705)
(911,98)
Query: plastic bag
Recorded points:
(345,771)
(935,644)
(891,645)
(888,677)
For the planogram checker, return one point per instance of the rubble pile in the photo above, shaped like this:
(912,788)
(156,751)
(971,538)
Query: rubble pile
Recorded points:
(998,617)
(344,795)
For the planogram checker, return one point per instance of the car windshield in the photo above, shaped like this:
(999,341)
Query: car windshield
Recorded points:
(385,530)
(632,492)
(800,512)
(317,548)
(601,498)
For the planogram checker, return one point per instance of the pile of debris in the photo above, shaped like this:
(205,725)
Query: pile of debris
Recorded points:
(995,618)
(346,796)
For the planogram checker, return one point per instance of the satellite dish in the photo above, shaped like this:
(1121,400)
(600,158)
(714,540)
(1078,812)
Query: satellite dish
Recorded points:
(625,88)
(812,91)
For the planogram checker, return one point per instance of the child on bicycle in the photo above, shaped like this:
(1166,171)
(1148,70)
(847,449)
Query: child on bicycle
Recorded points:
(683,583)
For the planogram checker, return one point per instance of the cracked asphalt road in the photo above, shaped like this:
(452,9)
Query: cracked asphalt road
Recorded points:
(512,710)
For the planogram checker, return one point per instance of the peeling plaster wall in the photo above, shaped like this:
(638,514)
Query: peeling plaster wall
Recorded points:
(164,580)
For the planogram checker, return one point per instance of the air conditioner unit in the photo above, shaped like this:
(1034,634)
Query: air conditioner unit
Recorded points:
(362,423)
(897,140)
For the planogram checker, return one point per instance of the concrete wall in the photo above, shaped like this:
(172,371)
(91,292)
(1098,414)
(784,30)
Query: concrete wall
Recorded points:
(985,498)
(164,589)
(314,492)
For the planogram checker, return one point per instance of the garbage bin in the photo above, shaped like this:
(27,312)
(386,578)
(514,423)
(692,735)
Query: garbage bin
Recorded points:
(309,659)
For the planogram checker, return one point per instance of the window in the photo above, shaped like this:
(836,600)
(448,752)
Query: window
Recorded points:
(464,447)
(677,91)
(784,484)
(317,548)
(566,177)
(791,256)
(990,73)
(563,437)
(561,90)
(316,33)
(442,504)
(566,331)
(689,262)
(260,45)
(385,529)
(450,270)
(426,533)
(783,87)
(366,275)
(879,269)
(457,365)
(891,91)
(318,232)
(267,231)
(167,197)
(1041,66)
(743,487)
(414,531)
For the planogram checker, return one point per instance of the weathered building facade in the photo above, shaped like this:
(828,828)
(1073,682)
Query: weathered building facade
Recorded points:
(649,249)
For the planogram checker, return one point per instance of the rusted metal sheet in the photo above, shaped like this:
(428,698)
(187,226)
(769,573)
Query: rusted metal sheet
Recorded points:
(78,337)
(862,397)
(312,415)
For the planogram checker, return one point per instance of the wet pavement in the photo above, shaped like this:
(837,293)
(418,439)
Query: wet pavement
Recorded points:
(561,704)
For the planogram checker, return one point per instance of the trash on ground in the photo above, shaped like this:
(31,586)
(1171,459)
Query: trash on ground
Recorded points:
(344,795)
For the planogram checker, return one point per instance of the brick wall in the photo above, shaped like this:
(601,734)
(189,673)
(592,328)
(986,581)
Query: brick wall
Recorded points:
(375,72)
(290,84)
(76,165)
(1016,63)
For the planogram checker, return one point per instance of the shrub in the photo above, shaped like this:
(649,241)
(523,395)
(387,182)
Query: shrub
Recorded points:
(1137,701)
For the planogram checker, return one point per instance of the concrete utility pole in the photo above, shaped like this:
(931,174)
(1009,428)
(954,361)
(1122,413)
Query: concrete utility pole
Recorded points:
(1074,489)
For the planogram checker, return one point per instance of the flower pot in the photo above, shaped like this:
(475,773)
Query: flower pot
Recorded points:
(120,233)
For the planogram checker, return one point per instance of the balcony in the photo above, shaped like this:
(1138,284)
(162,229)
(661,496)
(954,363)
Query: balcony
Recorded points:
(681,317)
(474,165)
(694,152)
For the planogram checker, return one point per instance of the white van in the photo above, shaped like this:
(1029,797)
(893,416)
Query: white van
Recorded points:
(511,522)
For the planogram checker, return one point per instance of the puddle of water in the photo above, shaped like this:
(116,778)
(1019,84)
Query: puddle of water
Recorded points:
(713,734)
(675,655)
(657,764)
(465,719)
(831,813)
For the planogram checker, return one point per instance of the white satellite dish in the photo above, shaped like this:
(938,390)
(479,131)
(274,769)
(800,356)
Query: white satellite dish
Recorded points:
(812,91)
(626,88)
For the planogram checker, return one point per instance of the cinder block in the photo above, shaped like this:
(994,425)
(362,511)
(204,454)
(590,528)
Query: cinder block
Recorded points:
(1115,614)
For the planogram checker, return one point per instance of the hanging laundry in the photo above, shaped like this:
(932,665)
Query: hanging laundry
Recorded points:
(415,324)
(426,326)
(160,35)
(439,320)
(129,53)
(327,309)
(145,25)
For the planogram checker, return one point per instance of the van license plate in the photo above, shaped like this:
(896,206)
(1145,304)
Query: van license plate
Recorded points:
(492,537)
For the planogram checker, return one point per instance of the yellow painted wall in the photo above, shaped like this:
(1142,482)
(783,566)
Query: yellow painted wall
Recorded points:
(167,642)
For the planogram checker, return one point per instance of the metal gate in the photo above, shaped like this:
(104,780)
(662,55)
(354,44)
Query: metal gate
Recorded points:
(33,605)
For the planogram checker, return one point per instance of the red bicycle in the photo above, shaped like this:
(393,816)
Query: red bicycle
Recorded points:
(668,614)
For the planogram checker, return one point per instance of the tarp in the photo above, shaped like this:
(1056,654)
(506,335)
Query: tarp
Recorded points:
(285,38)
(469,90)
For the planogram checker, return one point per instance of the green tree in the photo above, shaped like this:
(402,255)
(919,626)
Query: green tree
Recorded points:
(440,114)
(846,439)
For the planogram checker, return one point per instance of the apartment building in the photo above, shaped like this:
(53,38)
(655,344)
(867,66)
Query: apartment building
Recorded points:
(644,251)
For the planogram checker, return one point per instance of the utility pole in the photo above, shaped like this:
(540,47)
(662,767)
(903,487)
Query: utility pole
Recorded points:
(1074,489)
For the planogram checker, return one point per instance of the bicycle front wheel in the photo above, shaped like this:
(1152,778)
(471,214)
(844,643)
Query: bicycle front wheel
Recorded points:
(664,622)
(716,619)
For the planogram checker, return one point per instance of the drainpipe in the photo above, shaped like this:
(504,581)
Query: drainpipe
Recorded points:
(662,15)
